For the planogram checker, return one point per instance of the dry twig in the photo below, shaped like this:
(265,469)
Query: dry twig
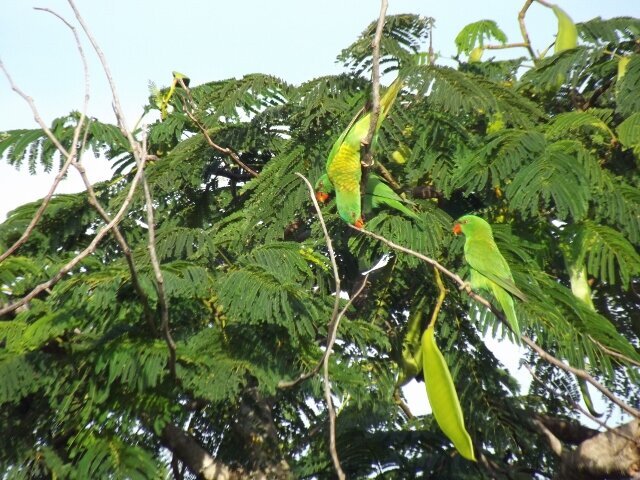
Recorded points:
(68,155)
(336,316)
(72,158)
(155,263)
(225,150)
(367,160)
(523,30)
(140,155)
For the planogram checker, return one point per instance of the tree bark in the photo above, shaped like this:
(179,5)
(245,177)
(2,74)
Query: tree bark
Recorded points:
(196,458)
(613,454)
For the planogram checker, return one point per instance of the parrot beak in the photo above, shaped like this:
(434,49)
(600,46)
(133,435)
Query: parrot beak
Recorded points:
(457,230)
(359,223)
(322,197)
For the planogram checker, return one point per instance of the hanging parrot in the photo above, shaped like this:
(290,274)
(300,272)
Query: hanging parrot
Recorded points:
(343,164)
(489,270)
(377,194)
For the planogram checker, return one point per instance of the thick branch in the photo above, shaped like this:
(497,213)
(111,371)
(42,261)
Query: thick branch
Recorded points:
(552,440)
(196,458)
(565,430)
(611,454)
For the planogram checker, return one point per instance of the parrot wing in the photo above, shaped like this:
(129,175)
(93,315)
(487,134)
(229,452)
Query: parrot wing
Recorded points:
(378,194)
(484,257)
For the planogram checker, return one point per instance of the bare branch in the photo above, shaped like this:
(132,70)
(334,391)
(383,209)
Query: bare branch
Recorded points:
(126,250)
(507,45)
(84,253)
(225,150)
(580,374)
(337,314)
(615,354)
(367,160)
(334,323)
(162,295)
(523,29)
(140,156)
(483,301)
(69,155)
(107,71)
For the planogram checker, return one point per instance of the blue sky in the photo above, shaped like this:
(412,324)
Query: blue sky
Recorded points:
(146,40)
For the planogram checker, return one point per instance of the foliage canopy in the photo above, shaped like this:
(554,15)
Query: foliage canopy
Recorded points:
(85,390)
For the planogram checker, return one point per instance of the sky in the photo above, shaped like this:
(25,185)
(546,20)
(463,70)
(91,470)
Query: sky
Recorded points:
(145,40)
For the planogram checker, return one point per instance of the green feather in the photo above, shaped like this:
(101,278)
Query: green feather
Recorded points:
(489,270)
(343,163)
(378,194)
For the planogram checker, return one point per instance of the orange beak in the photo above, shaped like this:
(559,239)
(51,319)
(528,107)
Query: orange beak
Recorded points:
(322,197)
(457,230)
(359,223)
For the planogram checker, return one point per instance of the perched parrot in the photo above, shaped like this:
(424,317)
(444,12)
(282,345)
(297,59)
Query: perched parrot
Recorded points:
(377,194)
(489,270)
(343,164)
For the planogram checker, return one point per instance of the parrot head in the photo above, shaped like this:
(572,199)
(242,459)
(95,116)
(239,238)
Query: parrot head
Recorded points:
(351,215)
(471,224)
(323,188)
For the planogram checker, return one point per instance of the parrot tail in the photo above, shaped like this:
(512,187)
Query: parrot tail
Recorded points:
(506,303)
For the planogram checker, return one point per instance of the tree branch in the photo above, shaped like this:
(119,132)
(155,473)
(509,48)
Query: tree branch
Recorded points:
(552,440)
(162,294)
(69,155)
(225,150)
(483,301)
(366,158)
(84,253)
(140,155)
(523,30)
(196,458)
(611,454)
(334,322)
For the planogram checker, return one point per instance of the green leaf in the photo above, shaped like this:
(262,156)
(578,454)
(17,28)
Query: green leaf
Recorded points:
(629,133)
(474,35)
(443,397)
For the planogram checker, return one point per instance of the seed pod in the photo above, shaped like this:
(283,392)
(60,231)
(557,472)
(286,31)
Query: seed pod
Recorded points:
(443,397)
(567,37)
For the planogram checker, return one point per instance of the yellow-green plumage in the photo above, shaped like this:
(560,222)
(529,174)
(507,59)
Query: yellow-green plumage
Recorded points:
(489,270)
(343,164)
(377,194)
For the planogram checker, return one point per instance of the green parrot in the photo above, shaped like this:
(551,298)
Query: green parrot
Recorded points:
(377,194)
(343,164)
(489,270)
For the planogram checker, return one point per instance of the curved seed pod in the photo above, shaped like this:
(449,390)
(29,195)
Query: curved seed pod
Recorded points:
(443,397)
(567,37)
